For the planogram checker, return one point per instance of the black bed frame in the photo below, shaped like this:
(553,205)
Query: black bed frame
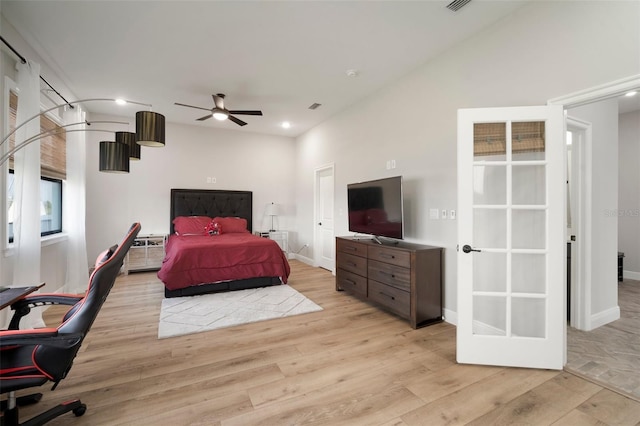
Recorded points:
(212,203)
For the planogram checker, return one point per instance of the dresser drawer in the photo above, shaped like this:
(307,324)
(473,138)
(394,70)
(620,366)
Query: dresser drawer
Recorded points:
(395,300)
(392,275)
(351,263)
(351,247)
(353,283)
(390,255)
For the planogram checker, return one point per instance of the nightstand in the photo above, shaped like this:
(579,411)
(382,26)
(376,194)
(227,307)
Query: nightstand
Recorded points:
(146,253)
(280,237)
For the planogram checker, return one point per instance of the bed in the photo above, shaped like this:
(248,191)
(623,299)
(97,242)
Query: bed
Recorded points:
(224,257)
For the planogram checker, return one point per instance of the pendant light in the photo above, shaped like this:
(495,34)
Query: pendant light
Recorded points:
(114,157)
(129,138)
(150,128)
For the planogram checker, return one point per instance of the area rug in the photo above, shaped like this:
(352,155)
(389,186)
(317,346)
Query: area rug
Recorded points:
(195,314)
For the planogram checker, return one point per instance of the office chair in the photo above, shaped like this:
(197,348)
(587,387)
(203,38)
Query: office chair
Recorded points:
(30,358)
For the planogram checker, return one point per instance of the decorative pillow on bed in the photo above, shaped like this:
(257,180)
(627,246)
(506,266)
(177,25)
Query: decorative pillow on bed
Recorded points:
(232,225)
(191,225)
(213,228)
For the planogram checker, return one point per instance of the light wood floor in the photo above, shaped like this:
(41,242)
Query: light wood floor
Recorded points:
(350,364)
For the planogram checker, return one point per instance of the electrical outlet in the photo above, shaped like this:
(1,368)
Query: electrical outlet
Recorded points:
(213,180)
(388,164)
(393,164)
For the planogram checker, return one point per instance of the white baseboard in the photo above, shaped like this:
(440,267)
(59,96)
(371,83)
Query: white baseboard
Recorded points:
(631,275)
(605,317)
(450,316)
(304,259)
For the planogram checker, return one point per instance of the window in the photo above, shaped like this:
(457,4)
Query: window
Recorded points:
(50,205)
(53,171)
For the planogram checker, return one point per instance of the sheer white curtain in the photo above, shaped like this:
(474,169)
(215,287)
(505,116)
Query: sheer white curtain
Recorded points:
(26,226)
(74,205)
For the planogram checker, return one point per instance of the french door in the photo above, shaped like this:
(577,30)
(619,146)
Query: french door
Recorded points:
(511,235)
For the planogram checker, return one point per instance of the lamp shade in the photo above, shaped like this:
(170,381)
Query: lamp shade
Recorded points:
(149,128)
(129,138)
(114,157)
(272,209)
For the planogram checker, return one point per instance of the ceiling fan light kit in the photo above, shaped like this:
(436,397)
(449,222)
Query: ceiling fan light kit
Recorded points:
(220,113)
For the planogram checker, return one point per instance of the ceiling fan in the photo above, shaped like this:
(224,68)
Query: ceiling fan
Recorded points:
(219,112)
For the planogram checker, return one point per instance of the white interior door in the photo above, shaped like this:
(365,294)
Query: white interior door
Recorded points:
(511,234)
(325,244)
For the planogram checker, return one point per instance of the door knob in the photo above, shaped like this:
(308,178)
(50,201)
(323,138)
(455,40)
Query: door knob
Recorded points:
(468,249)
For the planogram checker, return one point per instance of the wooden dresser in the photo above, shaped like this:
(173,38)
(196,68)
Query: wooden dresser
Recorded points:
(405,278)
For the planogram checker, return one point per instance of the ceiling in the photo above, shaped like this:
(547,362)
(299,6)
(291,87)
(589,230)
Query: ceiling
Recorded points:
(276,56)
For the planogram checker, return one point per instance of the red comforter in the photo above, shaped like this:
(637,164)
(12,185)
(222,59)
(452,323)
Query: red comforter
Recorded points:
(199,259)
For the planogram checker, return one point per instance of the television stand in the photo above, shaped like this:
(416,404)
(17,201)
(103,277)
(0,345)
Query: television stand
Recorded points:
(405,279)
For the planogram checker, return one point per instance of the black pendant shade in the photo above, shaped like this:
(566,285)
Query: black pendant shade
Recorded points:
(129,138)
(114,157)
(149,128)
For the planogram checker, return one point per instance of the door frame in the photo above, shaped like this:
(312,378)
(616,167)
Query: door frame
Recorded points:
(581,248)
(317,249)
(604,91)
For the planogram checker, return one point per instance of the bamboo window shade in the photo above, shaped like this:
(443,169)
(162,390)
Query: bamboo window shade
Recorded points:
(491,139)
(53,149)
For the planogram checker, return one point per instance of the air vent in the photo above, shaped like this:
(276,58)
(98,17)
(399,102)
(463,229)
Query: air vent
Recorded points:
(456,5)
(315,106)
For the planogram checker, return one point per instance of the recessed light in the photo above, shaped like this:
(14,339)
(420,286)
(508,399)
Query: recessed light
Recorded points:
(286,124)
(121,102)
(632,93)
(352,73)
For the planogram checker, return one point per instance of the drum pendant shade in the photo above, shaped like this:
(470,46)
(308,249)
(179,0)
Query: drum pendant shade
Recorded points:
(129,138)
(114,157)
(149,128)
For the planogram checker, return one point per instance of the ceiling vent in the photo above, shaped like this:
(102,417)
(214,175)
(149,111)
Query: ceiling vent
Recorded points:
(456,5)
(315,105)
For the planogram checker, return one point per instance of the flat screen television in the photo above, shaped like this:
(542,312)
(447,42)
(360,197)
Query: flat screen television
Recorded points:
(375,207)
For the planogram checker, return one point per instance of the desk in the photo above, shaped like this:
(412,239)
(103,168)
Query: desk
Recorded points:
(11,295)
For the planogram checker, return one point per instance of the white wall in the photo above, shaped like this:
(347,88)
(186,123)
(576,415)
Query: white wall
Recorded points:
(544,50)
(629,192)
(238,161)
(603,264)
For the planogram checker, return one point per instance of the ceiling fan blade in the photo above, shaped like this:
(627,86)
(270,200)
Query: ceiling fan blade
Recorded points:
(245,112)
(191,106)
(218,100)
(206,117)
(237,121)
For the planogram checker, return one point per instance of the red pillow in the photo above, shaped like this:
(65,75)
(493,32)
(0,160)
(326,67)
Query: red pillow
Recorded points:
(232,225)
(191,225)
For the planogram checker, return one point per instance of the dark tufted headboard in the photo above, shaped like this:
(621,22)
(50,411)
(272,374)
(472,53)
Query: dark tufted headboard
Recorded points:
(212,203)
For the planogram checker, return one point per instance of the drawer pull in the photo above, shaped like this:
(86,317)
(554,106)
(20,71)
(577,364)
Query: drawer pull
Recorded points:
(350,248)
(388,256)
(387,273)
(351,264)
(385,294)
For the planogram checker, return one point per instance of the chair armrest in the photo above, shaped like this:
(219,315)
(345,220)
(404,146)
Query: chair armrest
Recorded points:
(39,336)
(22,307)
(42,299)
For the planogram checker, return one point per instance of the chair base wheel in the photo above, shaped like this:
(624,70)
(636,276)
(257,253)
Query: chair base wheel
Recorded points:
(80,410)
